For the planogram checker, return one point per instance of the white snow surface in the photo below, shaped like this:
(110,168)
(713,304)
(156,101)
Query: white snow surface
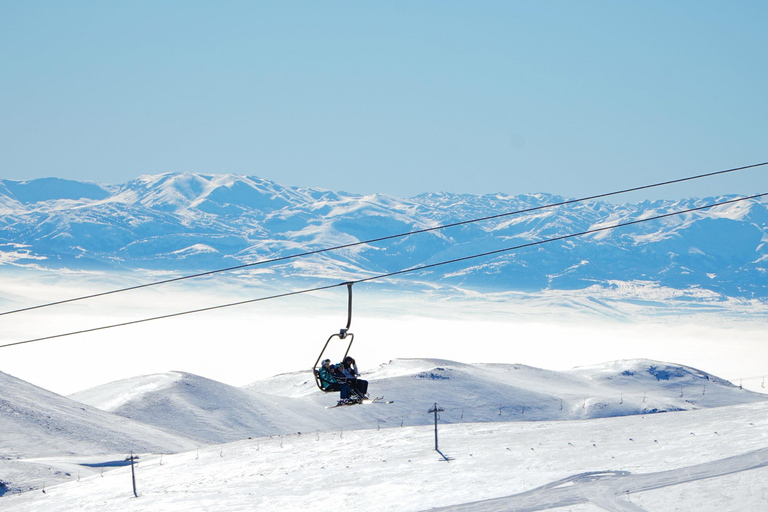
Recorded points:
(36,422)
(500,392)
(200,408)
(705,460)
(213,412)
(43,436)
(528,438)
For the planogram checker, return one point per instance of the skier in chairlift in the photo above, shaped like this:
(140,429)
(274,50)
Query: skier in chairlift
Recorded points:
(349,370)
(331,383)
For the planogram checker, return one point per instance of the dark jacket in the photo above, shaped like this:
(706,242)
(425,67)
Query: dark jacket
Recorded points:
(326,378)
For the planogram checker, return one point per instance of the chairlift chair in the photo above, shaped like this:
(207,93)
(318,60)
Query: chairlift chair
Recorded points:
(342,335)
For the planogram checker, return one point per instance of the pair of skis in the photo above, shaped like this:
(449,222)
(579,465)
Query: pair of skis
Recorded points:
(377,400)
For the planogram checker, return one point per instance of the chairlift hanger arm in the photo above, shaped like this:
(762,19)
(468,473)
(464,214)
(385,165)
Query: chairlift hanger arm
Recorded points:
(343,332)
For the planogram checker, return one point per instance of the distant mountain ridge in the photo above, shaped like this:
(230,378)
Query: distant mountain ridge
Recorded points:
(191,222)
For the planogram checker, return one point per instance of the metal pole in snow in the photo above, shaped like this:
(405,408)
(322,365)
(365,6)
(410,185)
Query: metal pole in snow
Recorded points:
(133,474)
(435,410)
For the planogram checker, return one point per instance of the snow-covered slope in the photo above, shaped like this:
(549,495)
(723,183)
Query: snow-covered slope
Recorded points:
(183,222)
(504,392)
(44,435)
(707,460)
(197,407)
(36,423)
(213,412)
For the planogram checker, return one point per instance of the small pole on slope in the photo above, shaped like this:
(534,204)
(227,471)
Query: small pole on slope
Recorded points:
(434,411)
(133,473)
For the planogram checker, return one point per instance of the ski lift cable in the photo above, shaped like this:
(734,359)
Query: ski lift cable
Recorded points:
(380,239)
(390,274)
(753,378)
(181,313)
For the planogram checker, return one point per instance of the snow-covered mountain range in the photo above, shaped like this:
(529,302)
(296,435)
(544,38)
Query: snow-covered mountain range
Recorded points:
(191,222)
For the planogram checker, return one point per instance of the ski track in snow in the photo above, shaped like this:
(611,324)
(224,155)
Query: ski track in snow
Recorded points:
(606,489)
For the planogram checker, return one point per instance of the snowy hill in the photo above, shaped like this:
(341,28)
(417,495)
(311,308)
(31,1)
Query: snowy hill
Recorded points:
(706,460)
(194,406)
(184,222)
(504,392)
(38,425)
(47,438)
(213,412)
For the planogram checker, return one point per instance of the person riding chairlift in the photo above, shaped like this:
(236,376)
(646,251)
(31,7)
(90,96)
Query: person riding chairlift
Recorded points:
(331,382)
(349,370)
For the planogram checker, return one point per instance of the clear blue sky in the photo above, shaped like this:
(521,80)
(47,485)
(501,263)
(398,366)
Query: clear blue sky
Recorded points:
(568,97)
